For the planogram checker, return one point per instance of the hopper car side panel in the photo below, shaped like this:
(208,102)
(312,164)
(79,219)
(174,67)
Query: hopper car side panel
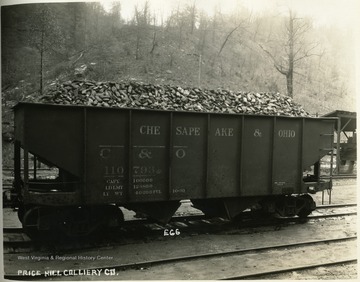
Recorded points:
(189,155)
(256,160)
(165,156)
(106,156)
(149,165)
(53,134)
(287,171)
(224,156)
(134,156)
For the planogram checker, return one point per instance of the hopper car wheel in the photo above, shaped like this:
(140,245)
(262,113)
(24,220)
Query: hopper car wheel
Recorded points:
(77,222)
(309,206)
(21,213)
(87,221)
(30,223)
(115,218)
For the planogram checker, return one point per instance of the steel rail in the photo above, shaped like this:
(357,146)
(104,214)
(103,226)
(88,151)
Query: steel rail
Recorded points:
(336,206)
(345,176)
(285,270)
(330,215)
(150,263)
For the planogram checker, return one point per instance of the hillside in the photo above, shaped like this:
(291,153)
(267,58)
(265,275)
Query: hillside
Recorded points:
(45,44)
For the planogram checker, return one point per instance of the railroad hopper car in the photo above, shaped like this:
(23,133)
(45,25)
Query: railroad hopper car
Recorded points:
(147,161)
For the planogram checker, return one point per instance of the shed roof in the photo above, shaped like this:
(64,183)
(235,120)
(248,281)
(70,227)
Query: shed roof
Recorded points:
(347,119)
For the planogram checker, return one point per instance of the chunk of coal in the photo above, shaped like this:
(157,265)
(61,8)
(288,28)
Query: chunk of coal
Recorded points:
(174,98)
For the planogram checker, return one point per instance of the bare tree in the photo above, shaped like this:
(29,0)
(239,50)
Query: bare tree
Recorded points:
(154,43)
(192,11)
(141,20)
(45,36)
(227,37)
(115,16)
(290,48)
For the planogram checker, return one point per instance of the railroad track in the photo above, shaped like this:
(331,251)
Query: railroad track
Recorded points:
(336,206)
(344,176)
(265,274)
(16,241)
(205,256)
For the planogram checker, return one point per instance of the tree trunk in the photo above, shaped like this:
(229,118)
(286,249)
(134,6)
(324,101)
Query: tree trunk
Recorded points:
(42,61)
(137,50)
(289,84)
(290,72)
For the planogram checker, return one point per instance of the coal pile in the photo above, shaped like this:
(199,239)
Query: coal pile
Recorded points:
(165,97)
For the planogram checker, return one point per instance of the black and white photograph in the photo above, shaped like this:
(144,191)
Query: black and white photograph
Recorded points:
(179,140)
